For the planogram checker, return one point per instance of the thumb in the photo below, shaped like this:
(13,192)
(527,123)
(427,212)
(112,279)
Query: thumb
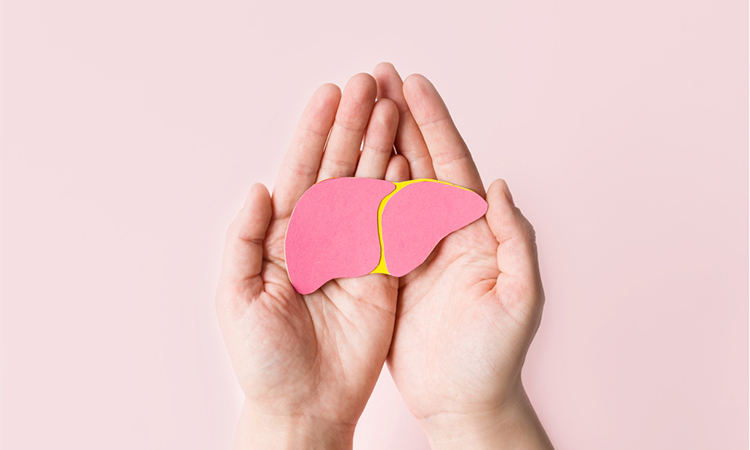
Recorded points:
(516,251)
(243,250)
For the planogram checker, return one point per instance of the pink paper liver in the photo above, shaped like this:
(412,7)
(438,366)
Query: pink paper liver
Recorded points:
(333,231)
(418,216)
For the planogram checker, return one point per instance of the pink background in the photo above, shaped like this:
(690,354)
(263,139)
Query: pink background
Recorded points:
(132,131)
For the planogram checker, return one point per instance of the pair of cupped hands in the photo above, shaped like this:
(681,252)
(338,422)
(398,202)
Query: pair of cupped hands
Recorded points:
(454,331)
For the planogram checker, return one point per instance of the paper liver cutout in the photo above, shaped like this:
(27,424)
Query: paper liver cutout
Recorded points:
(350,227)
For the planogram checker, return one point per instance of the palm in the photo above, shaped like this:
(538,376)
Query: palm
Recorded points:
(451,309)
(314,348)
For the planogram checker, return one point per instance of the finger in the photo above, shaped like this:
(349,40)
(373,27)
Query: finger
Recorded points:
(409,141)
(243,250)
(516,252)
(450,155)
(342,150)
(378,146)
(398,169)
(302,161)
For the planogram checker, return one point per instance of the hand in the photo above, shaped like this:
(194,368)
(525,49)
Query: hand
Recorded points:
(308,364)
(467,315)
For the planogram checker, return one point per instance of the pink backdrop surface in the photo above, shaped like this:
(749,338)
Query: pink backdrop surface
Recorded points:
(132,131)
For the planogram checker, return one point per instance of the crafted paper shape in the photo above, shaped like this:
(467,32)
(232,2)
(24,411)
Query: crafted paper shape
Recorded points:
(350,227)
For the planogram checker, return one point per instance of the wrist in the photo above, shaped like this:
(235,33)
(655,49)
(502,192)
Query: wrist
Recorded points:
(513,425)
(280,432)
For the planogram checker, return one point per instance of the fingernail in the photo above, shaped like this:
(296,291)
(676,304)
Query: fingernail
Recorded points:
(508,195)
(250,194)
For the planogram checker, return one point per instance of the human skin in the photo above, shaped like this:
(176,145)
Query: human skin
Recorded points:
(455,331)
(465,317)
(307,364)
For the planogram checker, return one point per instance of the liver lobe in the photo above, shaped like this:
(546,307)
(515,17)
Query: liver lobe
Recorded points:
(417,217)
(333,231)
